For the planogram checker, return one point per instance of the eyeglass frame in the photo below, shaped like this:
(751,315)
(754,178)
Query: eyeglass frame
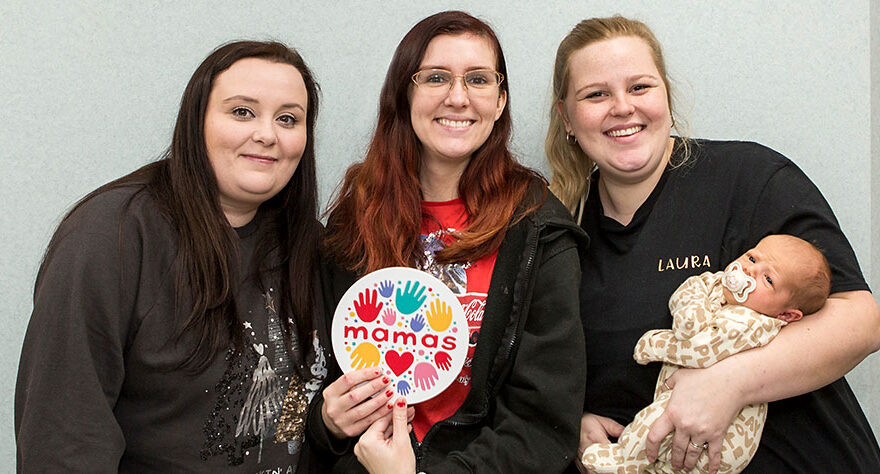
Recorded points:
(498,75)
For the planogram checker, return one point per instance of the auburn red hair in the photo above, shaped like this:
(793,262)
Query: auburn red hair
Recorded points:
(376,217)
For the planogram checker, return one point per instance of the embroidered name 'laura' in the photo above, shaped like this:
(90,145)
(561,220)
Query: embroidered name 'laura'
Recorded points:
(680,263)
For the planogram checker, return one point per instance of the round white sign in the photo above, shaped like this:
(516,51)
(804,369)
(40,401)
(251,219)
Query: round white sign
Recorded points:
(406,322)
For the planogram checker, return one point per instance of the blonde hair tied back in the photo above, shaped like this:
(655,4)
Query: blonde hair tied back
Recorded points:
(570,166)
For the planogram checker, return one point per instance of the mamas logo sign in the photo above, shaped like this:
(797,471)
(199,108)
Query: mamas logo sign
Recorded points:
(406,322)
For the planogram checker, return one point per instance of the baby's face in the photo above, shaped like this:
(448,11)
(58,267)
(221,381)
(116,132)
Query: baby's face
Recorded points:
(773,265)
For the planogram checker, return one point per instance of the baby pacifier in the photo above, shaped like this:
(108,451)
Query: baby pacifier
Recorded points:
(740,284)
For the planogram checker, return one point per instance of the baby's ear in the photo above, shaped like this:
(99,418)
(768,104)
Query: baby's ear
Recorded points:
(790,315)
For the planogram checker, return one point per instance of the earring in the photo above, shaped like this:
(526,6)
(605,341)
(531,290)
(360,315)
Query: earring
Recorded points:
(571,139)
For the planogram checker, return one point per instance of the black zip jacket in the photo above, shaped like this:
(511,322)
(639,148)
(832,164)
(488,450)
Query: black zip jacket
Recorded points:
(523,411)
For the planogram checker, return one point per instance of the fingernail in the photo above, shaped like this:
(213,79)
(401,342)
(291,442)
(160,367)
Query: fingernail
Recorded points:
(401,403)
(385,380)
(377,371)
(388,393)
(390,406)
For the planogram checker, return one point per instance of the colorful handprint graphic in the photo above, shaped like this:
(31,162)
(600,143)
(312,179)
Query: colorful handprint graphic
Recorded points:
(411,298)
(442,360)
(386,289)
(364,355)
(417,323)
(439,316)
(425,375)
(406,323)
(366,306)
(389,316)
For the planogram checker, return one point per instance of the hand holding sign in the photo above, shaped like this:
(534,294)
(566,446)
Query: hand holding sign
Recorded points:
(409,325)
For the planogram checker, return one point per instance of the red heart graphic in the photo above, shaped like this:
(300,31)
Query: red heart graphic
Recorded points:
(398,363)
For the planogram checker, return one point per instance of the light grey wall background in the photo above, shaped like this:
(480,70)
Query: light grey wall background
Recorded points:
(875,142)
(89,92)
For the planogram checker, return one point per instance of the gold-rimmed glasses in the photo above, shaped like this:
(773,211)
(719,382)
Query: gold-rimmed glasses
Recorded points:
(440,81)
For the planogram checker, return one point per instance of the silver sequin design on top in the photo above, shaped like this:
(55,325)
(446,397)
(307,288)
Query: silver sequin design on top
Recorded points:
(453,275)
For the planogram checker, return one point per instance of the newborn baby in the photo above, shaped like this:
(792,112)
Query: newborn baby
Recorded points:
(715,315)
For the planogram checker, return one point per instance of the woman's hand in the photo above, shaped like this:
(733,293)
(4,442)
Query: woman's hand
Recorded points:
(702,407)
(595,429)
(348,409)
(380,453)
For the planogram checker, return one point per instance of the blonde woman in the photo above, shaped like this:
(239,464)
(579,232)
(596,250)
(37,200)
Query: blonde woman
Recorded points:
(659,209)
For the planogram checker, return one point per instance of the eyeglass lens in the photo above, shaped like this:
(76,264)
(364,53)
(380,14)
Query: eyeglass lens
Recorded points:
(438,78)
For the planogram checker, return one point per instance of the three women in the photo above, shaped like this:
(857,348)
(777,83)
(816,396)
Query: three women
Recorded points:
(165,306)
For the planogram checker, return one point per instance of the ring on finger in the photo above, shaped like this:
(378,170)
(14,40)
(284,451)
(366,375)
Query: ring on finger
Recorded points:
(699,446)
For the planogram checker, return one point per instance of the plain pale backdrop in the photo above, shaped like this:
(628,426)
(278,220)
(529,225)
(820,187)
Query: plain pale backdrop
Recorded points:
(90,91)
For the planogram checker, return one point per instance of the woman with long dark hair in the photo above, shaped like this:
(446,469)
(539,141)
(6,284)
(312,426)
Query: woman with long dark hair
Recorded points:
(173,307)
(439,190)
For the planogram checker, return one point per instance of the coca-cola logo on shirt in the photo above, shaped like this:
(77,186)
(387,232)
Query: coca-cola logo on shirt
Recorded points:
(474,307)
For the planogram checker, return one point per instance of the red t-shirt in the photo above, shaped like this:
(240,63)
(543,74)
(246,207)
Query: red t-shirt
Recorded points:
(470,282)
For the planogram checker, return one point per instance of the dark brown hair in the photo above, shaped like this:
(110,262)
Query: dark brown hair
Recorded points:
(184,187)
(376,217)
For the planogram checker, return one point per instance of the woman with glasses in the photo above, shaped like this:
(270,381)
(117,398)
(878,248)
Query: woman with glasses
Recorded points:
(174,308)
(440,191)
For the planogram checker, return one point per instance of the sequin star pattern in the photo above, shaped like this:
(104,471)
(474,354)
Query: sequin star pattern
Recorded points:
(270,302)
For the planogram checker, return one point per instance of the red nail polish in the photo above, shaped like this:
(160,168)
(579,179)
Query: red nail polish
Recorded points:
(390,406)
(385,380)
(388,393)
(401,403)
